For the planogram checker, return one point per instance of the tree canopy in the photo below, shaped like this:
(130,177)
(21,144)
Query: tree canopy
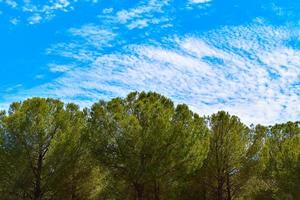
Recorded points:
(143,147)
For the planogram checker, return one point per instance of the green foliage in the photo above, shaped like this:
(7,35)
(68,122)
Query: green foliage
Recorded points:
(142,147)
(232,160)
(146,142)
(42,147)
(283,156)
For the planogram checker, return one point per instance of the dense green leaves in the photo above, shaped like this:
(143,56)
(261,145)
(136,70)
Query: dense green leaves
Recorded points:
(283,161)
(42,142)
(232,159)
(147,143)
(143,147)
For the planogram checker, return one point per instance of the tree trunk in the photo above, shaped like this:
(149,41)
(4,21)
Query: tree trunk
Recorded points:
(37,185)
(139,191)
(156,191)
(73,187)
(220,189)
(228,187)
(204,190)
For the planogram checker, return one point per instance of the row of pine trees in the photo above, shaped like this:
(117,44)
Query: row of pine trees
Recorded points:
(143,147)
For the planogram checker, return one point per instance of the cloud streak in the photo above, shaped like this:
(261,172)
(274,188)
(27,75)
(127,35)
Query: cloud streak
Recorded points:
(37,12)
(146,13)
(199,1)
(251,70)
(246,70)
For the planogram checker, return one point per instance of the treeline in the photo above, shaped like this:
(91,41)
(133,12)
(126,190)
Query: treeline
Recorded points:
(143,147)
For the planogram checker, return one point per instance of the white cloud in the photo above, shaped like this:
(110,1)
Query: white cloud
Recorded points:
(140,23)
(4,106)
(107,10)
(146,8)
(146,13)
(39,76)
(11,3)
(46,10)
(199,1)
(14,88)
(87,37)
(94,35)
(35,19)
(40,11)
(200,4)
(59,68)
(248,71)
(14,21)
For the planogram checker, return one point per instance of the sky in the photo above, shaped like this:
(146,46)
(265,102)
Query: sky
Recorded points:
(241,56)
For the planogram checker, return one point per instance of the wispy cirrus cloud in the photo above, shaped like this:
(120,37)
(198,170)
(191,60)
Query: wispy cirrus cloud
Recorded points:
(14,20)
(40,11)
(34,19)
(89,44)
(56,68)
(94,35)
(146,13)
(249,70)
(10,3)
(200,1)
(202,4)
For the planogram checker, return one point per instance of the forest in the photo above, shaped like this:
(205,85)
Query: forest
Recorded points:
(143,147)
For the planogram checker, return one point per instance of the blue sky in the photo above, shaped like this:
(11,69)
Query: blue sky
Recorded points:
(241,56)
